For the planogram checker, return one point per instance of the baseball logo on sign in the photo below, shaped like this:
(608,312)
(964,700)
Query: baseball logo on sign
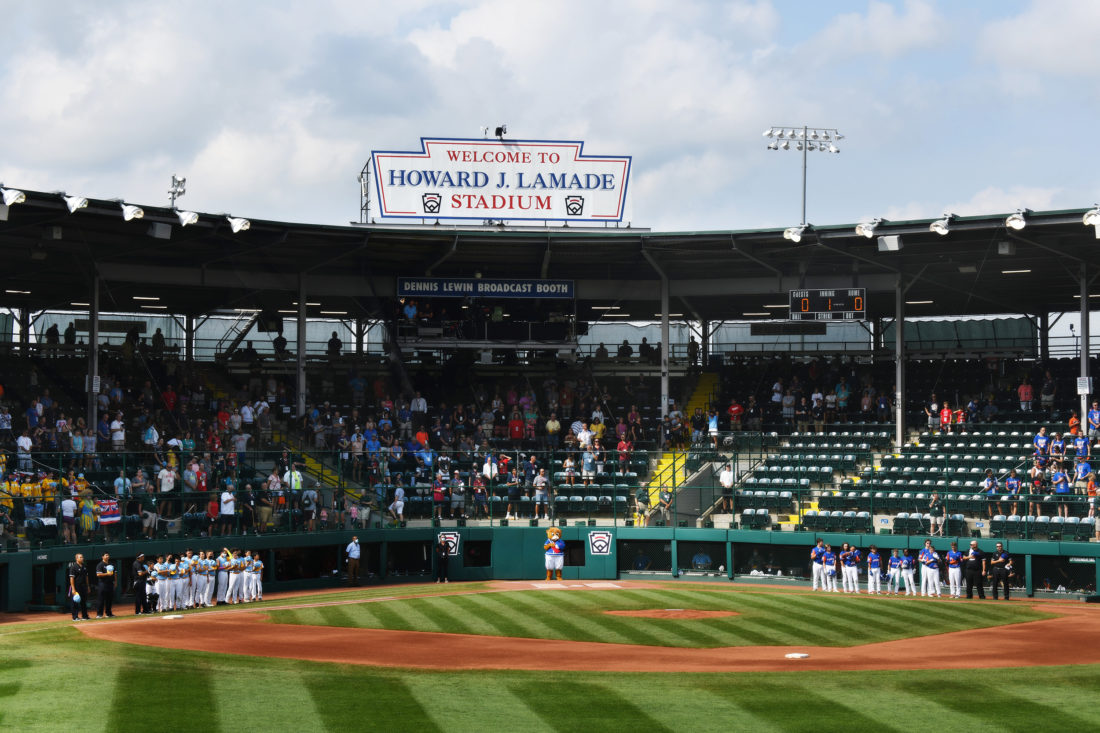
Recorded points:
(431,202)
(599,543)
(451,539)
(574,205)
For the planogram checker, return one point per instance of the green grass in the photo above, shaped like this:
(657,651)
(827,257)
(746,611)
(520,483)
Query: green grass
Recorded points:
(57,680)
(780,619)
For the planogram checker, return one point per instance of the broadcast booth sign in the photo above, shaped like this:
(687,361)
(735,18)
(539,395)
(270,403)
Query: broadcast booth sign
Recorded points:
(463,287)
(520,180)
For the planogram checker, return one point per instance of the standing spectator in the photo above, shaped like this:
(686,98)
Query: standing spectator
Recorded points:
(141,578)
(118,433)
(542,495)
(227,516)
(936,509)
(725,479)
(309,507)
(1025,393)
(353,552)
(664,503)
(442,561)
(105,579)
(24,445)
(334,345)
(68,520)
(1048,391)
(78,588)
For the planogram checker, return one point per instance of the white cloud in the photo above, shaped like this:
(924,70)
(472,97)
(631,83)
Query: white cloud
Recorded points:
(881,31)
(1055,36)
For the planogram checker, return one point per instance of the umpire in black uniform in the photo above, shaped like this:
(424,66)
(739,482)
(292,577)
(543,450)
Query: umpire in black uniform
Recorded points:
(974,569)
(1000,564)
(140,575)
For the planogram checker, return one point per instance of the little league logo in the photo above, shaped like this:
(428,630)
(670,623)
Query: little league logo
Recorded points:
(574,205)
(599,543)
(451,539)
(431,202)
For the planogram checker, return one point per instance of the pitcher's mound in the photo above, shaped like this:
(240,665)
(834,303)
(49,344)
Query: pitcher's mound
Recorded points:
(676,613)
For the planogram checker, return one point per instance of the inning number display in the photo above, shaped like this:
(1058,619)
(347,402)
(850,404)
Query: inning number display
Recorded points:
(848,304)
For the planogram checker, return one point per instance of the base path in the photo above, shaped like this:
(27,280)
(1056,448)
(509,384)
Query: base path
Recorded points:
(1056,641)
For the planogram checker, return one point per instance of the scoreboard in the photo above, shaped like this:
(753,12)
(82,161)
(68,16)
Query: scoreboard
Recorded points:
(847,304)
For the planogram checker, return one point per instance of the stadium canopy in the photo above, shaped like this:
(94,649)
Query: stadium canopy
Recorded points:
(980,266)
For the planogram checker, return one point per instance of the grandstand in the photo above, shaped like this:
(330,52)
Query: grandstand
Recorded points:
(196,325)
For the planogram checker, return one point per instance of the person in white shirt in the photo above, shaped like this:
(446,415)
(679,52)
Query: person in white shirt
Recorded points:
(68,521)
(118,433)
(248,416)
(227,511)
(397,508)
(353,551)
(725,478)
(23,446)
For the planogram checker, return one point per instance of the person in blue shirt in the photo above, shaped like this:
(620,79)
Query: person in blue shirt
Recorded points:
(954,570)
(992,492)
(828,559)
(1094,421)
(874,571)
(1060,481)
(908,571)
(1082,472)
(1012,487)
(1081,446)
(1041,441)
(844,559)
(817,565)
(1056,449)
(893,584)
(852,568)
(930,571)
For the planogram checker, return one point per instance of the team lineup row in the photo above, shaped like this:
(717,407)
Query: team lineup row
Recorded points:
(900,568)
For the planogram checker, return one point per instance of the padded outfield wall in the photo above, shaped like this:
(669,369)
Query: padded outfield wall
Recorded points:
(37,578)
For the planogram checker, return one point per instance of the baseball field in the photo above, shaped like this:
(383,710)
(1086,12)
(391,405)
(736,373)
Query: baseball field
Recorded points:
(611,655)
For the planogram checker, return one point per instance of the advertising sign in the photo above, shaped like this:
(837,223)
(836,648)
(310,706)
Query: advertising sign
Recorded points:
(518,180)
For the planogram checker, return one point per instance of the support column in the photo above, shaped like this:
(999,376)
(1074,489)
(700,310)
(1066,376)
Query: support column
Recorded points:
(25,332)
(1044,337)
(189,339)
(360,336)
(704,346)
(93,352)
(300,369)
(666,347)
(1084,336)
(899,365)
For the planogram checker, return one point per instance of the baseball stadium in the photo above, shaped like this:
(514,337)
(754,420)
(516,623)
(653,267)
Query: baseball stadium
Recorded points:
(555,477)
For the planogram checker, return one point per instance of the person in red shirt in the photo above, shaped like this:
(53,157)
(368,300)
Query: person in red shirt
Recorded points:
(625,448)
(515,429)
(735,410)
(170,398)
(945,417)
(1026,395)
(422,437)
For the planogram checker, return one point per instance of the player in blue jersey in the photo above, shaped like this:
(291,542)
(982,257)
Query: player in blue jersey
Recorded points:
(1041,441)
(854,559)
(893,583)
(828,559)
(874,571)
(930,571)
(817,566)
(908,571)
(954,570)
(1093,418)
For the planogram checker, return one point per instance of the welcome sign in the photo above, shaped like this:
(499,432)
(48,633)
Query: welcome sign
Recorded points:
(521,180)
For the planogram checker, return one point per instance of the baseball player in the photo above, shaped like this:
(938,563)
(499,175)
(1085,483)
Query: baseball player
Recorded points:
(198,580)
(244,591)
(209,570)
(874,571)
(908,570)
(234,566)
(257,577)
(183,586)
(954,570)
(817,566)
(893,584)
(828,559)
(930,571)
(160,571)
(173,582)
(843,557)
(854,559)
(223,575)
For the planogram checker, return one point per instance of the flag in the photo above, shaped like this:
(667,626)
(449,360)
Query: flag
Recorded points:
(108,511)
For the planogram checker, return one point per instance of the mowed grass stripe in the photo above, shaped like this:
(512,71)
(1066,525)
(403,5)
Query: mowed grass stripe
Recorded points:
(462,711)
(798,707)
(335,616)
(1003,710)
(531,603)
(441,611)
(590,605)
(481,620)
(613,712)
(503,618)
(773,615)
(412,614)
(384,703)
(832,629)
(195,685)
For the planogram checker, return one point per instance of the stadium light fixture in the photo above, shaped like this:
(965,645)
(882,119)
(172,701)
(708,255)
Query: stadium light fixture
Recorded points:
(238,224)
(12,196)
(1092,219)
(804,138)
(177,189)
(942,226)
(75,202)
(794,233)
(187,217)
(131,212)
(501,131)
(867,228)
(1018,220)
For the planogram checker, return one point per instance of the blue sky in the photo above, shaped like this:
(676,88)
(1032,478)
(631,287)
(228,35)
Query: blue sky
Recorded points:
(271,109)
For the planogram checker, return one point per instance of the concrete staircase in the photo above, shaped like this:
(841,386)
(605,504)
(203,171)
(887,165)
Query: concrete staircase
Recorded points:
(671,468)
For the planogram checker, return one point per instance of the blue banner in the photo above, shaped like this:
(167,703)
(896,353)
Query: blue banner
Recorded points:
(469,287)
